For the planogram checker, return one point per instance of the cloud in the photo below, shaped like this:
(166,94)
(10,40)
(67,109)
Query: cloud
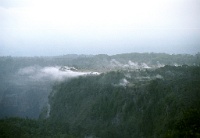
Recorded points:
(56,73)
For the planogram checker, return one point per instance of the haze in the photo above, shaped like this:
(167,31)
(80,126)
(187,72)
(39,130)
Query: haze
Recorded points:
(57,27)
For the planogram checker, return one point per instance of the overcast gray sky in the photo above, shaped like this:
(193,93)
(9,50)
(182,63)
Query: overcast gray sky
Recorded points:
(57,27)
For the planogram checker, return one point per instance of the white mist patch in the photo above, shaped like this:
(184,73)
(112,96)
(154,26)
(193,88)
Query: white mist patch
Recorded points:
(133,64)
(123,82)
(176,65)
(130,65)
(56,73)
(145,66)
(158,76)
(94,73)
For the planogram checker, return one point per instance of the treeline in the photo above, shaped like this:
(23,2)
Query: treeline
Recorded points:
(147,103)
(96,62)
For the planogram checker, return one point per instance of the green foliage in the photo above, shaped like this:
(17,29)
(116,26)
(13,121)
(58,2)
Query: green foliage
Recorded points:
(28,128)
(188,125)
(98,106)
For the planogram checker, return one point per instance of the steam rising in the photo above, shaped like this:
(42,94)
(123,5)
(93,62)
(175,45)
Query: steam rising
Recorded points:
(132,65)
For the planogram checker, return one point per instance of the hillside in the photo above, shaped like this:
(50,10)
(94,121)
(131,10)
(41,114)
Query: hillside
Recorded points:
(25,82)
(146,103)
(159,103)
(125,95)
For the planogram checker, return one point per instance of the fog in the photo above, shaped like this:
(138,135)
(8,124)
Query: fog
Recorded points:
(99,68)
(36,73)
(24,92)
(61,27)
(58,27)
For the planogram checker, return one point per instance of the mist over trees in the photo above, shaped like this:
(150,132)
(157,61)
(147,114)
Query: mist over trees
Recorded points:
(125,95)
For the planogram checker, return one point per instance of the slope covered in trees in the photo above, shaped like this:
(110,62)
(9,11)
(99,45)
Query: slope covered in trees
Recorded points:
(146,103)
(136,95)
(22,94)
(164,105)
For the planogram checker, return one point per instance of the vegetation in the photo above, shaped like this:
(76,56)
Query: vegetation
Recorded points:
(28,128)
(167,107)
(155,102)
(100,106)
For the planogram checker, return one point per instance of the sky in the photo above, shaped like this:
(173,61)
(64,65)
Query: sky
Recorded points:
(60,27)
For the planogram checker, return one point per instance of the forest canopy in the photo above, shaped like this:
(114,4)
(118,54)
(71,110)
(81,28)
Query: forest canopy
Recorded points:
(126,99)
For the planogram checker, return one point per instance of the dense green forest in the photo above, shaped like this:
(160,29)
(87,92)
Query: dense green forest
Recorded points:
(161,102)
(22,94)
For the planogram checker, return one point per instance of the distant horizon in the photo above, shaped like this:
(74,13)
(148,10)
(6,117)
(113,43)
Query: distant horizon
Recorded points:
(193,54)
